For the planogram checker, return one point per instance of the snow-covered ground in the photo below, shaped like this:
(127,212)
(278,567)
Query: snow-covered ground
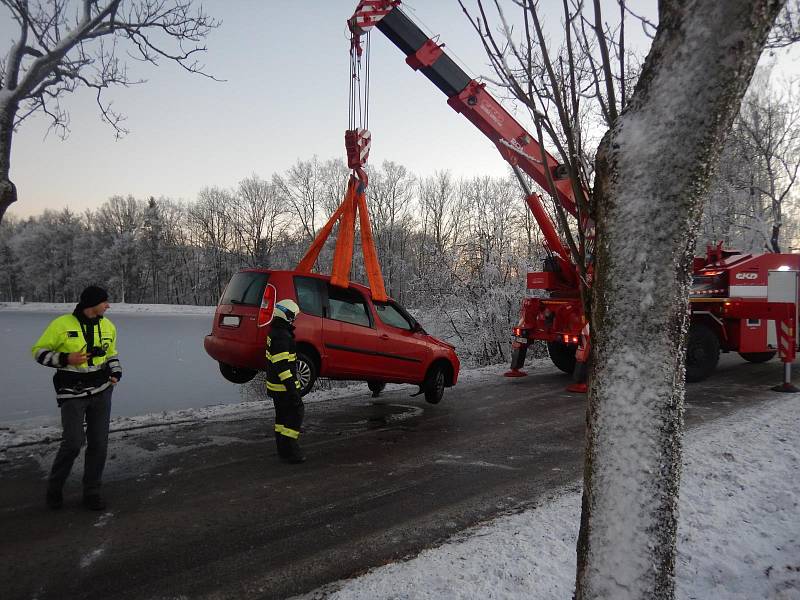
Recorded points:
(739,532)
(738,537)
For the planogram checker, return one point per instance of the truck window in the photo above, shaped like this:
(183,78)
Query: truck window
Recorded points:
(309,295)
(391,315)
(348,306)
(245,287)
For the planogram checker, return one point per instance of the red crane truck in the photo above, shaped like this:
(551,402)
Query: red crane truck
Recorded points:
(731,307)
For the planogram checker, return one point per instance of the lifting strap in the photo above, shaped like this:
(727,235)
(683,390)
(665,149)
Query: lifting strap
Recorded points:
(354,201)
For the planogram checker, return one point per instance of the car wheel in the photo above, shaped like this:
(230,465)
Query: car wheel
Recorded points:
(236,374)
(563,356)
(702,353)
(434,385)
(376,387)
(306,372)
(758,357)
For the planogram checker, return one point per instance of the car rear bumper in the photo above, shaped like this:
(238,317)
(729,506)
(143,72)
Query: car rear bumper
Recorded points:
(236,354)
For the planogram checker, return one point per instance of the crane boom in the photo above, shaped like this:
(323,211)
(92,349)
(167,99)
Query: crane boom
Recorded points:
(470,98)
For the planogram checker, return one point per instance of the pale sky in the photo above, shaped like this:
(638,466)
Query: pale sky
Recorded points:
(285,97)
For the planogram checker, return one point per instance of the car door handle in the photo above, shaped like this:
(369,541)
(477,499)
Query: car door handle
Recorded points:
(384,336)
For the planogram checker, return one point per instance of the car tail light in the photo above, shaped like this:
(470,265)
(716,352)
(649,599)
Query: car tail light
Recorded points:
(267,305)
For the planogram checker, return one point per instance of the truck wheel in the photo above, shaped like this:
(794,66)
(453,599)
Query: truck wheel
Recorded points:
(758,357)
(376,387)
(434,385)
(306,372)
(563,356)
(702,353)
(236,374)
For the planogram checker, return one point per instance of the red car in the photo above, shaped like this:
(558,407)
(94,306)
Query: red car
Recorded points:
(340,334)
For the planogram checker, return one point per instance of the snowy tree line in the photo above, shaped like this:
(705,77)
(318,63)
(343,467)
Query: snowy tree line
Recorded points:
(455,249)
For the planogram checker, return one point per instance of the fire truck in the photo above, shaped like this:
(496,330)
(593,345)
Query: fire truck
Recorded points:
(736,298)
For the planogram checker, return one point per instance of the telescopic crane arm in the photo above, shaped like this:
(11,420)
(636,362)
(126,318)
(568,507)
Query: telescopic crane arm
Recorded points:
(470,98)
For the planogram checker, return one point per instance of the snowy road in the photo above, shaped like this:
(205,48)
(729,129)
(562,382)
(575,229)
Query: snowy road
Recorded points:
(205,511)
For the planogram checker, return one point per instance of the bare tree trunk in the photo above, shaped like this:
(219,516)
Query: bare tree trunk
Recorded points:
(8,191)
(776,232)
(653,170)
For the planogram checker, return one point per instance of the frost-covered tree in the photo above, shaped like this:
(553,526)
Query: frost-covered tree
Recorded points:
(152,242)
(258,214)
(334,175)
(768,127)
(646,192)
(304,189)
(45,256)
(64,45)
(210,220)
(653,173)
(9,289)
(749,206)
(389,196)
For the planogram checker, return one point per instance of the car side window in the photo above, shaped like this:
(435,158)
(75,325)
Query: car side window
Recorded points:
(390,315)
(309,295)
(348,306)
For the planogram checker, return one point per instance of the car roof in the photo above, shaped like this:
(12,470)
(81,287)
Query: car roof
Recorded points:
(353,284)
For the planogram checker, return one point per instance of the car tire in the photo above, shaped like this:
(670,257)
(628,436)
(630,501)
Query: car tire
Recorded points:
(702,353)
(306,372)
(434,384)
(563,356)
(236,374)
(376,387)
(758,357)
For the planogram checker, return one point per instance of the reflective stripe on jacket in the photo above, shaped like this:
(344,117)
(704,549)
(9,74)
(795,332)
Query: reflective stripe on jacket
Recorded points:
(281,359)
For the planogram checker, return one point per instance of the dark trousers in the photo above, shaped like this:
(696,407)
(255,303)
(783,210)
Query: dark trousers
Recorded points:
(289,410)
(95,412)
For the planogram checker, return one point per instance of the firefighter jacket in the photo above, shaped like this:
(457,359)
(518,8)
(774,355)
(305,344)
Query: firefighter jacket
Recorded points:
(75,333)
(282,359)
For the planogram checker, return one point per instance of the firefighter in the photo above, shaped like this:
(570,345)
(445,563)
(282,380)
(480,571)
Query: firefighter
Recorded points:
(81,346)
(282,383)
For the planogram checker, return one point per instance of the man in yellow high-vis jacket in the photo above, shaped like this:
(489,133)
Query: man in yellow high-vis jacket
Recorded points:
(82,347)
(282,383)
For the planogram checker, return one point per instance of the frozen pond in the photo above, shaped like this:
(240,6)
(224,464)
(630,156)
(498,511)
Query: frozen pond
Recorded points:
(164,366)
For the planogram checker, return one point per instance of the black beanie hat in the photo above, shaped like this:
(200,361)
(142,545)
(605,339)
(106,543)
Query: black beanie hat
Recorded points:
(92,296)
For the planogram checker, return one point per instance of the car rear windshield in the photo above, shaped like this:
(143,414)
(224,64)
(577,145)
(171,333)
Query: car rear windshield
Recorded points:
(246,287)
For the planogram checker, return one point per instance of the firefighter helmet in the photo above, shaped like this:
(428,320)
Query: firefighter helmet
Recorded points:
(286,309)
